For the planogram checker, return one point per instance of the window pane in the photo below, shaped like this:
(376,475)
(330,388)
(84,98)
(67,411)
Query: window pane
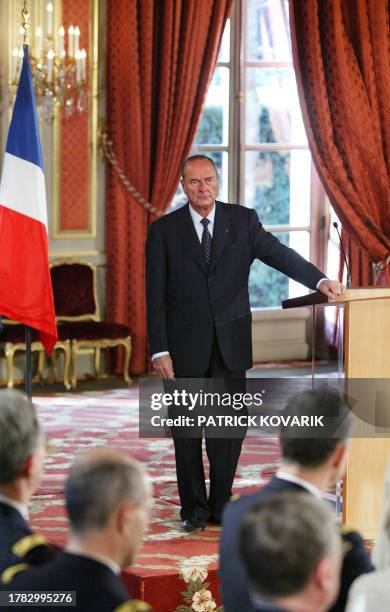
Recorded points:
(273,113)
(224,51)
(277,185)
(268,287)
(220,159)
(214,125)
(268,30)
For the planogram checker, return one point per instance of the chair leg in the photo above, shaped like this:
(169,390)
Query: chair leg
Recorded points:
(97,362)
(66,348)
(127,346)
(74,350)
(41,365)
(9,357)
(53,367)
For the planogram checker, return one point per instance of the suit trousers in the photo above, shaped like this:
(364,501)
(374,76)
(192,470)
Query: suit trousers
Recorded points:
(223,454)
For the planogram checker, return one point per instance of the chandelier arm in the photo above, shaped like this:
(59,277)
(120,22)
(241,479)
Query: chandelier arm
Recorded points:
(108,150)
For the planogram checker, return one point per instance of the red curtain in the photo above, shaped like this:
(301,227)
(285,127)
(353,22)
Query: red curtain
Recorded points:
(342,61)
(360,264)
(161,57)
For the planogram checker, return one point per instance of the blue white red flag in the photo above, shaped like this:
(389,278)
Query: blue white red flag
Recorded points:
(25,286)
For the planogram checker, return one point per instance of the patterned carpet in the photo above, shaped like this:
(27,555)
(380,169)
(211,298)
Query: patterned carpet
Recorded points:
(173,571)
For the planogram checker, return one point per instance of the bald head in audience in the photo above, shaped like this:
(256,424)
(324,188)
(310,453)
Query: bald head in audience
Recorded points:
(108,498)
(291,549)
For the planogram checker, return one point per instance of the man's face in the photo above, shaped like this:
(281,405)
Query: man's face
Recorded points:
(200,184)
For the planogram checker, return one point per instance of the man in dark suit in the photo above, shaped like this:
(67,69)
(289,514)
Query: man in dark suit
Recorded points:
(198,260)
(308,465)
(108,498)
(22,451)
(291,550)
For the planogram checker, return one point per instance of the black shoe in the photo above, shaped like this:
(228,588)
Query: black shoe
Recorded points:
(191,525)
(214,521)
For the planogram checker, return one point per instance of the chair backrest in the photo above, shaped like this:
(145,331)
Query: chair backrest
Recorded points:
(74,284)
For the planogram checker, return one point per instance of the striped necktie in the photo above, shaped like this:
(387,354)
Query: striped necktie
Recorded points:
(206,240)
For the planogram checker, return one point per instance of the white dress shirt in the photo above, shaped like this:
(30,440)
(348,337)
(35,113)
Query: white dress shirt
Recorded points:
(197,221)
(310,488)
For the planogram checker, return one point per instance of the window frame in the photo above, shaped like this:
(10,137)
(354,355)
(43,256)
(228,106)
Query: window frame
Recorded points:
(237,147)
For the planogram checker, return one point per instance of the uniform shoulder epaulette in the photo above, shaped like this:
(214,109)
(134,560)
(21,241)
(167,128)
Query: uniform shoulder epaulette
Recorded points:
(235,497)
(134,605)
(9,574)
(345,530)
(22,547)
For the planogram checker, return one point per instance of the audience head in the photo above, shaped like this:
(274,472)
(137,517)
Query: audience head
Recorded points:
(328,451)
(291,550)
(108,494)
(22,448)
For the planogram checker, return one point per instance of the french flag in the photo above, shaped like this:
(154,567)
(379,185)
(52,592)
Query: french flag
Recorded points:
(25,287)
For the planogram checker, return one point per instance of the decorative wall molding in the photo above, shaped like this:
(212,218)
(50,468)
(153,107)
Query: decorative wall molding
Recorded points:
(280,334)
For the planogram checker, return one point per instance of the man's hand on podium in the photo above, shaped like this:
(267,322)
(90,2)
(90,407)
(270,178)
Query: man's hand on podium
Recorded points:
(331,288)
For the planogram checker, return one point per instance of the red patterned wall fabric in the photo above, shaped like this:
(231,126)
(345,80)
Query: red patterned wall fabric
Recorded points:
(161,57)
(341,52)
(74,149)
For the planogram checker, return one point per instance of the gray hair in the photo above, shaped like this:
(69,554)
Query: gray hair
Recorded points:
(282,539)
(20,433)
(196,158)
(98,482)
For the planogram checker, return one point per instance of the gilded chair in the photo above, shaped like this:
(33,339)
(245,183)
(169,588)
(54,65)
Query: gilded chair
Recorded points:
(77,310)
(12,340)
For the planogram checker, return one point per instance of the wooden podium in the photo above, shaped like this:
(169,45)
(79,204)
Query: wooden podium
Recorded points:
(366,355)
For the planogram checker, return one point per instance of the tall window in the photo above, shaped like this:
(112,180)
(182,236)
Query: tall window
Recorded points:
(252,127)
(276,160)
(213,137)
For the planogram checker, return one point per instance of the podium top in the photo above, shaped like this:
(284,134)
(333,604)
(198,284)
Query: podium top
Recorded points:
(350,295)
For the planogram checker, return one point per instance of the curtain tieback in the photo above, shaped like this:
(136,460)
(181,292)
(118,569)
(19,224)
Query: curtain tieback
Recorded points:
(108,150)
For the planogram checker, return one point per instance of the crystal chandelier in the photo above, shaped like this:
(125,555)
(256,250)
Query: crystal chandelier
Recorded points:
(58,69)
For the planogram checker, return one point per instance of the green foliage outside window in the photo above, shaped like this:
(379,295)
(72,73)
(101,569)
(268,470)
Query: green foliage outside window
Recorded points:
(211,125)
(267,287)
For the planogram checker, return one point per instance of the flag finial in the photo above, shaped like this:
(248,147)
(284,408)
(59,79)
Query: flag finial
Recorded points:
(25,23)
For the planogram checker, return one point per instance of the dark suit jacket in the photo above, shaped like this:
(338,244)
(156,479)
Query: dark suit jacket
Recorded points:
(17,542)
(234,586)
(97,587)
(187,299)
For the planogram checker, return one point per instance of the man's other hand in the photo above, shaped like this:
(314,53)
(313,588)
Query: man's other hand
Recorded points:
(331,288)
(163,367)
